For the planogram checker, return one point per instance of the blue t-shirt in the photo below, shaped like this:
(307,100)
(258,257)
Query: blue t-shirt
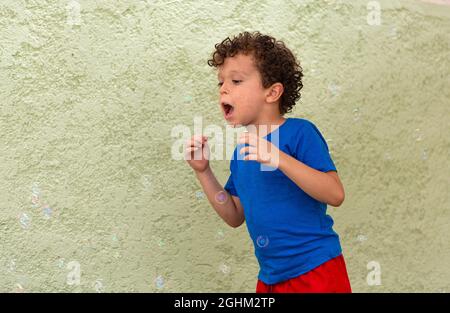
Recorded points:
(290,230)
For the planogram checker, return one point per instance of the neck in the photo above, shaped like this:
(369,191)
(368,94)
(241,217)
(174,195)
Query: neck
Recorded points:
(265,125)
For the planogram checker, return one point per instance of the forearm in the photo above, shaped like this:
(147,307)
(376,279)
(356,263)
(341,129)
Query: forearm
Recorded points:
(316,184)
(224,206)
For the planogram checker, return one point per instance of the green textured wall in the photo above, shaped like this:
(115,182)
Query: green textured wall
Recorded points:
(91,199)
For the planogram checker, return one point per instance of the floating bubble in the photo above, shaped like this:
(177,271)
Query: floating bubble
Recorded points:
(98,286)
(220,234)
(161,243)
(262,241)
(418,134)
(19,288)
(60,263)
(34,200)
(24,220)
(361,238)
(356,114)
(224,268)
(159,281)
(146,182)
(47,211)
(313,67)
(393,32)
(35,189)
(187,99)
(334,89)
(221,197)
(12,265)
(200,195)
(424,154)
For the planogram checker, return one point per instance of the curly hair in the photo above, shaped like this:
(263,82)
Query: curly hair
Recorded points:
(275,62)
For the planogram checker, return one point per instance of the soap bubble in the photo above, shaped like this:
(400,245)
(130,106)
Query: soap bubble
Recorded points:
(424,154)
(146,182)
(200,195)
(418,134)
(334,89)
(19,288)
(12,265)
(24,220)
(35,195)
(356,114)
(220,234)
(262,241)
(35,189)
(393,32)
(159,281)
(47,211)
(187,99)
(361,238)
(221,197)
(34,200)
(224,268)
(98,286)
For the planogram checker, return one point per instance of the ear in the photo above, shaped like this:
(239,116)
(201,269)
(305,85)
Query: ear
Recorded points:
(274,92)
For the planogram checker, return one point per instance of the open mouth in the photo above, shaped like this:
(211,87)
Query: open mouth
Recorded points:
(227,109)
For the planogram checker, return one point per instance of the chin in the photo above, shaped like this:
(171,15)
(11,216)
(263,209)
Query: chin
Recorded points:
(233,123)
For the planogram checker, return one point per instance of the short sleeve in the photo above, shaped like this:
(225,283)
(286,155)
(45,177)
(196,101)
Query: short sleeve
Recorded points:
(229,186)
(312,149)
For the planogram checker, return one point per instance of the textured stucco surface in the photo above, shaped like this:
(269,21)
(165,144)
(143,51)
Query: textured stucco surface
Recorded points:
(88,103)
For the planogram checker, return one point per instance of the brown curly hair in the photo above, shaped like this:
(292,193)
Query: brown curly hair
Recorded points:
(275,62)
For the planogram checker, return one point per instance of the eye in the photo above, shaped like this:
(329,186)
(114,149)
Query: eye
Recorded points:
(237,81)
(219,84)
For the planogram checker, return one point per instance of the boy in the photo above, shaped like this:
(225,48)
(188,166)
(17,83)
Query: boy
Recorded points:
(285,208)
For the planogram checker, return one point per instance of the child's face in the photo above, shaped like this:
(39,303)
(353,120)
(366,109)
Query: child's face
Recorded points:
(240,86)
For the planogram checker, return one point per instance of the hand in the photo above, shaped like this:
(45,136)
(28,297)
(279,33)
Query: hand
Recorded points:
(197,153)
(260,150)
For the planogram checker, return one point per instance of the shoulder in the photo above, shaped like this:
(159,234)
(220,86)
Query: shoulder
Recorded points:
(302,126)
(305,136)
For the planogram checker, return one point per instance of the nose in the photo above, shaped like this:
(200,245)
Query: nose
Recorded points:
(223,89)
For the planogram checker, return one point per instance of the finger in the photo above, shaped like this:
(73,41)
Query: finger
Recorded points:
(200,138)
(249,138)
(252,157)
(191,149)
(246,140)
(195,143)
(249,149)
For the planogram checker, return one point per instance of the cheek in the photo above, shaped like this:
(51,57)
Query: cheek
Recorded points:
(251,95)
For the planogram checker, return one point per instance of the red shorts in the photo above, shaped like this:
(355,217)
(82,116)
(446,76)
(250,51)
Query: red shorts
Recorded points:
(329,277)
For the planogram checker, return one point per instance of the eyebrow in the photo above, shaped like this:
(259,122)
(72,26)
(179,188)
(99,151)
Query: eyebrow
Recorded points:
(235,71)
